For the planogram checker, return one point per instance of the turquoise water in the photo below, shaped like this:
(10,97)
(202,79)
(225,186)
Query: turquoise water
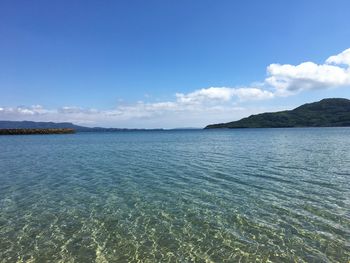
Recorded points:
(255,195)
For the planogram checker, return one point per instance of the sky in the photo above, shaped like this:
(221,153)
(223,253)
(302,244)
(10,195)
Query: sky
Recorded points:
(169,64)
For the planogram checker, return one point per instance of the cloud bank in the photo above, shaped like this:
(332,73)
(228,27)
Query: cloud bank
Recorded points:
(202,106)
(289,79)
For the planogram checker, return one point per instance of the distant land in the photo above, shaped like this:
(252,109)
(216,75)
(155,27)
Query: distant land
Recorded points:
(333,112)
(59,125)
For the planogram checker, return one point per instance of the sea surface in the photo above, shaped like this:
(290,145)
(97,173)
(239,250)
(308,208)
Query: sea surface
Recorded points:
(245,195)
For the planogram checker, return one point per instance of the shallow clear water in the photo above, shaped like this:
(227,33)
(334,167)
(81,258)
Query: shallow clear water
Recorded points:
(278,195)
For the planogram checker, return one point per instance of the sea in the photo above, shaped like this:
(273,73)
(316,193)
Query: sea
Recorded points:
(241,195)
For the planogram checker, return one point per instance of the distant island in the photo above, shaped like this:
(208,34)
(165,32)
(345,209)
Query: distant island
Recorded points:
(334,112)
(59,125)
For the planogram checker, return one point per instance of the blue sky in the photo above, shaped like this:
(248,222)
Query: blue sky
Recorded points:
(168,63)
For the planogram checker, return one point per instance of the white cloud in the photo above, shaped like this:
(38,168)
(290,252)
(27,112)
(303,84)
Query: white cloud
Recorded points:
(23,110)
(340,59)
(217,94)
(289,79)
(202,106)
(139,115)
(245,94)
(195,109)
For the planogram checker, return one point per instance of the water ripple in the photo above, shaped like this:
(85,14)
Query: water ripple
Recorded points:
(260,195)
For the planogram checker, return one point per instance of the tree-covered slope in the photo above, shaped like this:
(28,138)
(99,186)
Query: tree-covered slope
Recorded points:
(324,113)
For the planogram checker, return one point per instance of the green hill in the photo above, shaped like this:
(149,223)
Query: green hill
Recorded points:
(324,113)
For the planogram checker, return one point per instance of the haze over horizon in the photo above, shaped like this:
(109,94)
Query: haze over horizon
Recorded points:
(164,64)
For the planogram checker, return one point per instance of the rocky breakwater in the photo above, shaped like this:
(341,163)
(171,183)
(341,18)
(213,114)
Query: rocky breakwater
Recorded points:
(35,131)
